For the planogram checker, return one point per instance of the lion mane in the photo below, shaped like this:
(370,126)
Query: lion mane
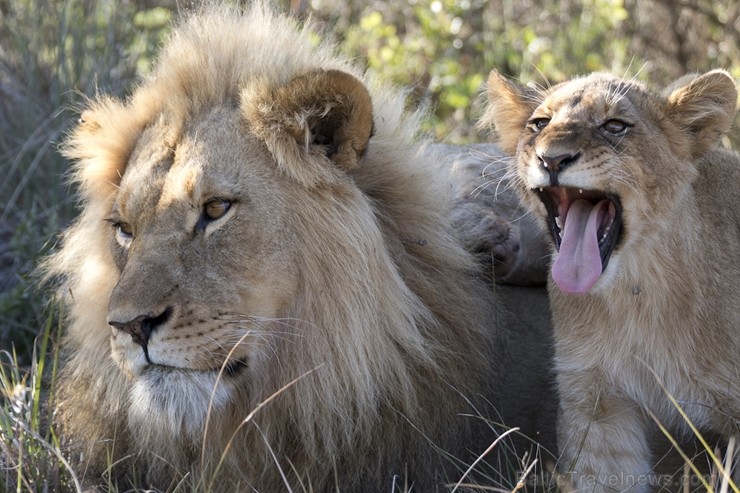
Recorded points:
(262,287)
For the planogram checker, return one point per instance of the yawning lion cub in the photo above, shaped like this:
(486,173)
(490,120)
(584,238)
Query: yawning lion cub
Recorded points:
(643,210)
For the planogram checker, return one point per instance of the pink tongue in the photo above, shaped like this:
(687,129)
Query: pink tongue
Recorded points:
(577,266)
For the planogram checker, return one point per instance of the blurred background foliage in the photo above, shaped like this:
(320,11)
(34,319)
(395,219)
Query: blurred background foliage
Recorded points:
(53,52)
(444,49)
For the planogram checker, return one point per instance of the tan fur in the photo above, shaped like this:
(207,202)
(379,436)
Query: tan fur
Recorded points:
(333,275)
(663,317)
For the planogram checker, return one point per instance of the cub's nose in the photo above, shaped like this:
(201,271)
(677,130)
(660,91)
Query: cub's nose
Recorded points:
(555,163)
(141,327)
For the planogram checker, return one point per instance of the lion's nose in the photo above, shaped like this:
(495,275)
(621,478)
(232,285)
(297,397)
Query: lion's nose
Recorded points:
(141,327)
(555,164)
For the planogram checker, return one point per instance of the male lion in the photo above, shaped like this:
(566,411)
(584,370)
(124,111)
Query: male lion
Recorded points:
(263,289)
(642,207)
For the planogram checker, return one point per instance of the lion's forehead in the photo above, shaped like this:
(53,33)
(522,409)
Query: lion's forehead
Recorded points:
(594,99)
(209,158)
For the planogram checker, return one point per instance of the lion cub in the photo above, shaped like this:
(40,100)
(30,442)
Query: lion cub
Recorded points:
(643,210)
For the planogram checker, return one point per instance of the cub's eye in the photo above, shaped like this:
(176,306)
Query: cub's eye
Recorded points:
(216,209)
(537,124)
(615,127)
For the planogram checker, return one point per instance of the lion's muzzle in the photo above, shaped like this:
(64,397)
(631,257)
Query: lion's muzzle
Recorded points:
(554,163)
(141,327)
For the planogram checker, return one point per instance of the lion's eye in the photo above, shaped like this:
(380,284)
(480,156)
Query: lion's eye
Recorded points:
(615,127)
(124,233)
(213,210)
(537,124)
(216,209)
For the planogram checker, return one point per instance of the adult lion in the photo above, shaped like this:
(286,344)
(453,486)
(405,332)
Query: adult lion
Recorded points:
(642,207)
(263,289)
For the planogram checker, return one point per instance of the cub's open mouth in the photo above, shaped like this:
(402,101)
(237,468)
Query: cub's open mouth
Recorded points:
(586,226)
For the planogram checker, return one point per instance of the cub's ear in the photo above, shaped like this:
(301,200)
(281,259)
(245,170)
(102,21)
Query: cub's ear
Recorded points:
(705,107)
(509,107)
(317,126)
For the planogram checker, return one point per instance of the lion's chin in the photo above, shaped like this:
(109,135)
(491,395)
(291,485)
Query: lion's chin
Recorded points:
(171,402)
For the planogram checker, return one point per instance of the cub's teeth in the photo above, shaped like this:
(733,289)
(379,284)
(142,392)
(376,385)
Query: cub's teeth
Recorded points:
(580,190)
(559,222)
(541,189)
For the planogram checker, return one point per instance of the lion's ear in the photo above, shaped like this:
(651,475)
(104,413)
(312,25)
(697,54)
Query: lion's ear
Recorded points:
(316,126)
(509,107)
(100,146)
(705,107)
